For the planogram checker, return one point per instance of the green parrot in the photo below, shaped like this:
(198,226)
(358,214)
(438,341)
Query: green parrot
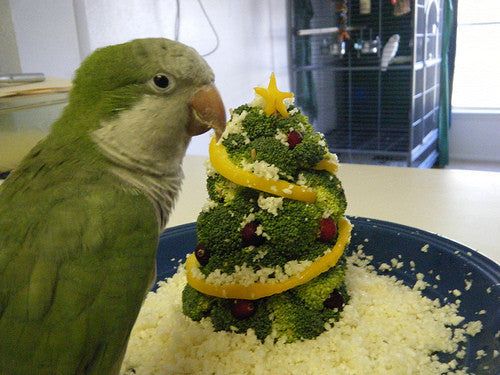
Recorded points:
(80,217)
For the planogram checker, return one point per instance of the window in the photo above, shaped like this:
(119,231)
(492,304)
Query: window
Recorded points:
(477,69)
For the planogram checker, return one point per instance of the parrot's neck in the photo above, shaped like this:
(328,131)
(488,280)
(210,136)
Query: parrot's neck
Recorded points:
(160,186)
(145,145)
(161,190)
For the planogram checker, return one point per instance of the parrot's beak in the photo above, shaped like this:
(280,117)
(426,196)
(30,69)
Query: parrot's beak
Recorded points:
(207,112)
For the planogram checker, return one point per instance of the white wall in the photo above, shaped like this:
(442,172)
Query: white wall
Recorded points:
(9,57)
(252,37)
(252,44)
(54,35)
(46,36)
(51,39)
(475,136)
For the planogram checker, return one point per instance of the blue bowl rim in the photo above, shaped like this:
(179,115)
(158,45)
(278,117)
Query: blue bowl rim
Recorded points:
(489,268)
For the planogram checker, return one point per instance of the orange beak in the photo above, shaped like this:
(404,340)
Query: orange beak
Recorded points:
(207,112)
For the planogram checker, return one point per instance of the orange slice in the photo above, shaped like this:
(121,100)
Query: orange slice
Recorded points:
(260,290)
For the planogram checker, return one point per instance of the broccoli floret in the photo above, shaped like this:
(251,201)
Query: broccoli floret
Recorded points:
(330,194)
(309,152)
(235,144)
(289,161)
(226,261)
(219,229)
(274,152)
(293,232)
(259,142)
(315,292)
(257,124)
(297,121)
(221,189)
(270,259)
(291,318)
(298,314)
(241,108)
(223,319)
(196,305)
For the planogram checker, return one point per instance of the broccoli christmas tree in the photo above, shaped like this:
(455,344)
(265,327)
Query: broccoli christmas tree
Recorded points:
(272,236)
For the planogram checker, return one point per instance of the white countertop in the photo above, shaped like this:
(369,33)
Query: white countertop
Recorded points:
(461,205)
(458,204)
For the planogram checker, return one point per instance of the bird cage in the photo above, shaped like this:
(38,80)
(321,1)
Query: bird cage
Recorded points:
(369,115)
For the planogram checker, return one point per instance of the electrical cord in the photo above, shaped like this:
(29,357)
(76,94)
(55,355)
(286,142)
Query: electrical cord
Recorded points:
(212,27)
(177,20)
(213,30)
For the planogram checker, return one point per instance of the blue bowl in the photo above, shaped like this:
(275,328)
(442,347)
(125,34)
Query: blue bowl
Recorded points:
(452,261)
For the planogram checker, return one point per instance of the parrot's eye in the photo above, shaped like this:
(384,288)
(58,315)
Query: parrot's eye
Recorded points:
(161,82)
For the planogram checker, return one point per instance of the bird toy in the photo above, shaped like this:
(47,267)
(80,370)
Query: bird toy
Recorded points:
(341,9)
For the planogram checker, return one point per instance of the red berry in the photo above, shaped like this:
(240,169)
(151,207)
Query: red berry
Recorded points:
(242,308)
(294,138)
(249,235)
(328,230)
(202,254)
(334,301)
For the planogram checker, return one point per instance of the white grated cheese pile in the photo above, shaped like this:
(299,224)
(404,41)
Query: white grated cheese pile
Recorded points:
(261,168)
(387,328)
(245,275)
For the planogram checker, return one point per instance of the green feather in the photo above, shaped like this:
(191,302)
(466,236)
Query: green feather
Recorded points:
(77,243)
(80,246)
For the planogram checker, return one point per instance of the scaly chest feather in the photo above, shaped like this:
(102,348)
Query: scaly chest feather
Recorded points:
(74,268)
(145,145)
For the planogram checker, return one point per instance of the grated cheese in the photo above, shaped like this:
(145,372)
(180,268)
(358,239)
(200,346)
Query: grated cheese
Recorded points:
(387,328)
(282,137)
(261,168)
(270,204)
(209,204)
(235,126)
(301,180)
(480,354)
(289,101)
(247,219)
(468,284)
(209,168)
(246,275)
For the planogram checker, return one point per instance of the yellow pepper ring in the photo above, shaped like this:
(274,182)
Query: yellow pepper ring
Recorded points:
(260,290)
(222,164)
(326,165)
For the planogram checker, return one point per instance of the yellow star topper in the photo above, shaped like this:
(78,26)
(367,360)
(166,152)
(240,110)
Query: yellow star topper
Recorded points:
(273,98)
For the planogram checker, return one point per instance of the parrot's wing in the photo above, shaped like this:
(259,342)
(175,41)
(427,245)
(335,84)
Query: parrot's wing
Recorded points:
(73,274)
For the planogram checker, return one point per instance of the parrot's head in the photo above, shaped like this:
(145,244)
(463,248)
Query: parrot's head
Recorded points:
(142,101)
(394,39)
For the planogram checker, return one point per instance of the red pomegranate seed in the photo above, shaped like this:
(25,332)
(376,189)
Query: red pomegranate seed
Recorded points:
(242,308)
(293,139)
(328,230)
(334,301)
(249,235)
(202,254)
